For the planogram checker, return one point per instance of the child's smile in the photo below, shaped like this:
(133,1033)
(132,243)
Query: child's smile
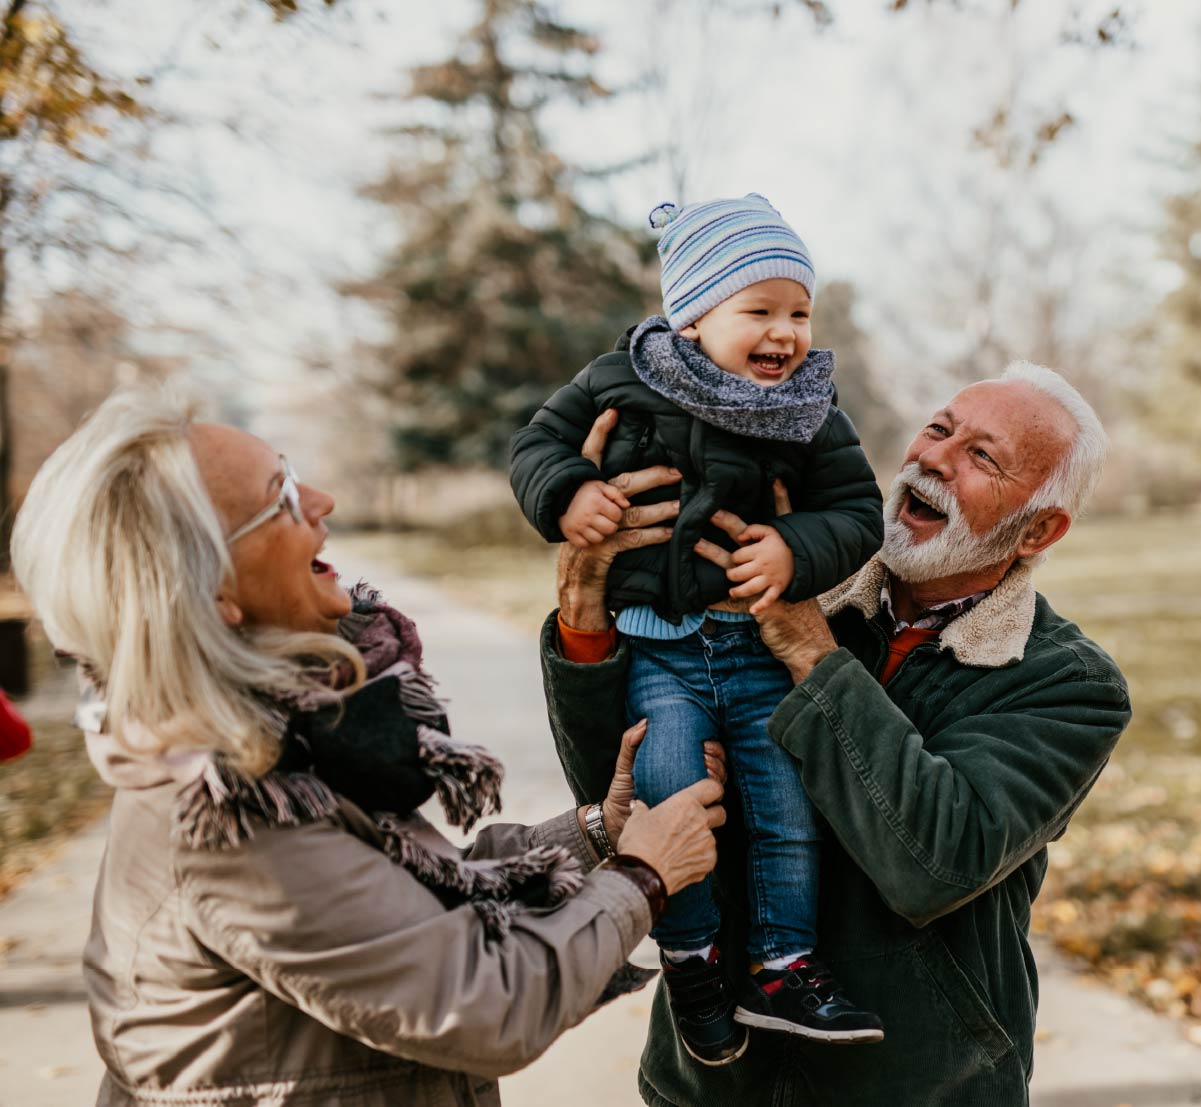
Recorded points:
(761,333)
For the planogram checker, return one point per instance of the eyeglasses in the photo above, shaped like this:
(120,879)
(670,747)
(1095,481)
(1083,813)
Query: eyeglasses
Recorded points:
(288,500)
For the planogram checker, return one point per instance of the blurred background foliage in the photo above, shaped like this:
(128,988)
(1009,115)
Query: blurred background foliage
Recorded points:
(380,235)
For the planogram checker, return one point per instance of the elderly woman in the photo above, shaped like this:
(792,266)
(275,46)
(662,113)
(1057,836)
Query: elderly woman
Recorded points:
(274,923)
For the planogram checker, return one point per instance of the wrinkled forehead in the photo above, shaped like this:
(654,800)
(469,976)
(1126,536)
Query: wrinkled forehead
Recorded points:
(1024,418)
(240,471)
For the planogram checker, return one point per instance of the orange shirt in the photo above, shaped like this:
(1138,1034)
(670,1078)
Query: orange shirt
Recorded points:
(900,645)
(586,647)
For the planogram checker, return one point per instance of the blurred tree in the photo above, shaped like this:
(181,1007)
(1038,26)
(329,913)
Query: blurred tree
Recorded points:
(875,413)
(49,95)
(59,120)
(504,284)
(78,337)
(1176,400)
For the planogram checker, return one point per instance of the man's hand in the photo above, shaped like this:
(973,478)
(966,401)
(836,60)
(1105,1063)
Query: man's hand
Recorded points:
(762,566)
(797,633)
(593,514)
(583,571)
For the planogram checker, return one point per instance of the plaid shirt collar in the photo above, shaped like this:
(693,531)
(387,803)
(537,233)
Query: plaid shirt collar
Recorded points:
(934,617)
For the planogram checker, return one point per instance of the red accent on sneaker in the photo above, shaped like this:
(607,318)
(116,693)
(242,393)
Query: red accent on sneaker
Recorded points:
(772,986)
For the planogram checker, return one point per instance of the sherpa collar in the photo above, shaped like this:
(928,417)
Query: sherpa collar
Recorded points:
(991,635)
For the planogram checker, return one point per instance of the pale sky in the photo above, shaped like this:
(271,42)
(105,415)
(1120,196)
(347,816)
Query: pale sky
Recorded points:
(860,135)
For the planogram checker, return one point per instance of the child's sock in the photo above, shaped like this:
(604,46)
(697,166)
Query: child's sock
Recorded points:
(774,964)
(675,956)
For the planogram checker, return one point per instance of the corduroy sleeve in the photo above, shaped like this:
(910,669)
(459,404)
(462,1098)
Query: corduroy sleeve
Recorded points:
(545,466)
(936,819)
(586,707)
(837,523)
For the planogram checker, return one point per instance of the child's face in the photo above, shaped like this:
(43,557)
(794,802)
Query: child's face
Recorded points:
(760,333)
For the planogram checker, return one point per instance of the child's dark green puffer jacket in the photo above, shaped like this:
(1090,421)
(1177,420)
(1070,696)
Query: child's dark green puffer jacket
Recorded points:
(836,524)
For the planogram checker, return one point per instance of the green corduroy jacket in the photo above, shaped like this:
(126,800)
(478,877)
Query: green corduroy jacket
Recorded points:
(941,792)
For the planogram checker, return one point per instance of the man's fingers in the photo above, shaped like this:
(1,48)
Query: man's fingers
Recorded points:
(635,539)
(752,587)
(611,493)
(780,495)
(767,599)
(715,761)
(645,514)
(710,551)
(594,445)
(729,522)
(715,816)
(642,480)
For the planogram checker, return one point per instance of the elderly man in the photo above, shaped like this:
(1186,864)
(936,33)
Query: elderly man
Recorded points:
(946,723)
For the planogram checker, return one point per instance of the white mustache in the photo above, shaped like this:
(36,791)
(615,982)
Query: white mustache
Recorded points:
(928,488)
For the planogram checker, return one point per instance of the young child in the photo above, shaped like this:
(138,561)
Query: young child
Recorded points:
(727,390)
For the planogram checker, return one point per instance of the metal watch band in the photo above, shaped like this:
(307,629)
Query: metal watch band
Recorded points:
(594,823)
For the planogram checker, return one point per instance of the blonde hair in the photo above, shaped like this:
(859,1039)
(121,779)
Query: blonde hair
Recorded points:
(120,550)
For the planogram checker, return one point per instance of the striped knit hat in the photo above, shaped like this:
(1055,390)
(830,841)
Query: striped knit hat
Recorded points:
(712,250)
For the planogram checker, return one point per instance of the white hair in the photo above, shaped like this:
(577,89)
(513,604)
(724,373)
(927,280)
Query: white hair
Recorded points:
(121,552)
(1072,481)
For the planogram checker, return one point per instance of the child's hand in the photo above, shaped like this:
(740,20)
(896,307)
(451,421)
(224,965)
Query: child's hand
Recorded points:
(763,563)
(593,514)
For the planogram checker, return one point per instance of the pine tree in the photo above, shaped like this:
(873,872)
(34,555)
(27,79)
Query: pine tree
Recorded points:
(504,283)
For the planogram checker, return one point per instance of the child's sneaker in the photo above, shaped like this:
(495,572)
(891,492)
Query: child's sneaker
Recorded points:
(805,999)
(704,1009)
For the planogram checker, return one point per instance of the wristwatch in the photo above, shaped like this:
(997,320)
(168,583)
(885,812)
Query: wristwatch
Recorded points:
(594,823)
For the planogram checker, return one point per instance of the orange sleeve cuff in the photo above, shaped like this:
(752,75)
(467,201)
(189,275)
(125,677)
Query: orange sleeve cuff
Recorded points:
(586,647)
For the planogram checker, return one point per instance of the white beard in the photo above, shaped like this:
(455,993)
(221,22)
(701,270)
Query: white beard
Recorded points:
(955,550)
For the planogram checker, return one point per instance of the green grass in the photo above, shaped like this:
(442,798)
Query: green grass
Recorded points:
(1124,889)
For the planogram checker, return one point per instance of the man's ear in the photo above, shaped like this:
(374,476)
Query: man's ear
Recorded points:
(1045,529)
(228,609)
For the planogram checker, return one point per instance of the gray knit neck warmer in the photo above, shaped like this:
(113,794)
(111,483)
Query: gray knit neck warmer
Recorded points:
(678,370)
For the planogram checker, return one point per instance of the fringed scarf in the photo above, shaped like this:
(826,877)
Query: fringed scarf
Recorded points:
(387,747)
(678,370)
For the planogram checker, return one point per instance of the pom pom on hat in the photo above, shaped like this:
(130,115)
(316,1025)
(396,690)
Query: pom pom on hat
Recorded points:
(663,214)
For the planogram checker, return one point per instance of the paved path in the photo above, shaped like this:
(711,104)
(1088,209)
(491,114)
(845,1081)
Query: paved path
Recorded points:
(1096,1048)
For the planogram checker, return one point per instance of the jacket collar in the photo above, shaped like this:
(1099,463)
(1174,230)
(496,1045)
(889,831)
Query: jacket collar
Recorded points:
(992,634)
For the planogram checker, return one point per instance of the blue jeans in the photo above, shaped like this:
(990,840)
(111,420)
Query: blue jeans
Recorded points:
(722,683)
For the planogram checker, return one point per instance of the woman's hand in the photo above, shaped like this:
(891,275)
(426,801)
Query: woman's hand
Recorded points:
(797,633)
(584,572)
(616,805)
(676,837)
